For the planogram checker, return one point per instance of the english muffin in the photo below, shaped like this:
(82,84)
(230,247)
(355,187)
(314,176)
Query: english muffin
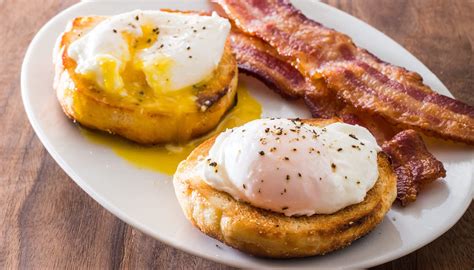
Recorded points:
(149,76)
(265,232)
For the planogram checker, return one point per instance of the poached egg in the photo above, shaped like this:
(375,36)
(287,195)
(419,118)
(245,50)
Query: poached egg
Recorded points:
(293,168)
(165,51)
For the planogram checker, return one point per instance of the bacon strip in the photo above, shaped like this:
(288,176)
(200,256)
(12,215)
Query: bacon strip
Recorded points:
(413,164)
(258,59)
(358,77)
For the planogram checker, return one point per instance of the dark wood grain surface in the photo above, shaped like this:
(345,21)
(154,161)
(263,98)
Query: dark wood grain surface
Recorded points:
(47,221)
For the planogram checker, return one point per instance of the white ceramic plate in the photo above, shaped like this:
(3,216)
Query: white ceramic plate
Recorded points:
(146,200)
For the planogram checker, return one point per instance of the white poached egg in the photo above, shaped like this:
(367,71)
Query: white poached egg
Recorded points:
(293,168)
(173,50)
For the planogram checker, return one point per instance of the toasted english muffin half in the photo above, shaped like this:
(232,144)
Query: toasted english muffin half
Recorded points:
(269,234)
(137,117)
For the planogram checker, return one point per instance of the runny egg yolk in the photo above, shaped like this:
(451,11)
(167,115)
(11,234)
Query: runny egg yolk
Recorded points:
(165,159)
(138,76)
(111,73)
(141,56)
(157,74)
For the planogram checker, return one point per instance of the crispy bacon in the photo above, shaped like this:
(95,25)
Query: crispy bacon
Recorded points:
(413,169)
(358,77)
(378,126)
(258,59)
(412,163)
(328,106)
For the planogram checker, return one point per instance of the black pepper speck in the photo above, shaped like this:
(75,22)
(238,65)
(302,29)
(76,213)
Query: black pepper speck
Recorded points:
(353,136)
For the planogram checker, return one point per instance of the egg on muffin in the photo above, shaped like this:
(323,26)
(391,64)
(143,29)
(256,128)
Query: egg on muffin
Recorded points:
(149,76)
(287,188)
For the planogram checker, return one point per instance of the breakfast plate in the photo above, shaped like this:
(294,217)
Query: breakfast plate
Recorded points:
(145,199)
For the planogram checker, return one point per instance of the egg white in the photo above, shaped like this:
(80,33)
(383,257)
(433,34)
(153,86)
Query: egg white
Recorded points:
(173,50)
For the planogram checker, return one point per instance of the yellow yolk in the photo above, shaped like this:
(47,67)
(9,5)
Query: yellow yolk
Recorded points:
(135,75)
(165,159)
(140,80)
(146,55)
(112,79)
(156,71)
(149,37)
(157,74)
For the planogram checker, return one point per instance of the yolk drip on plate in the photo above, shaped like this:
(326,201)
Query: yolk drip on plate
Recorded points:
(166,158)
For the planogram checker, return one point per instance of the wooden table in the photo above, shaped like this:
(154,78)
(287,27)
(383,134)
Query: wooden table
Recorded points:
(47,221)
